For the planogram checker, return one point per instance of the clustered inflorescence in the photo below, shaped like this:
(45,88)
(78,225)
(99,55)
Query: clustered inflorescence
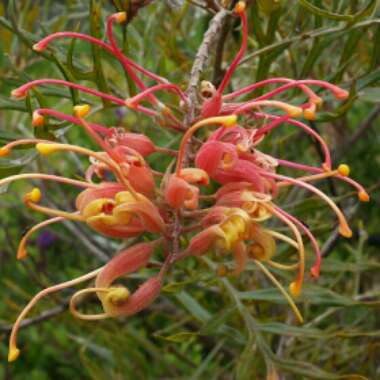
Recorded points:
(122,197)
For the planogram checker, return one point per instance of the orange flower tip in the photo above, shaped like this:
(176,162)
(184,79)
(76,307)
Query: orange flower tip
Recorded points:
(295,289)
(39,47)
(344,170)
(33,196)
(363,196)
(345,231)
(38,120)
(46,148)
(18,94)
(13,354)
(229,121)
(81,110)
(315,271)
(4,151)
(341,94)
(294,111)
(21,253)
(120,17)
(240,7)
(309,113)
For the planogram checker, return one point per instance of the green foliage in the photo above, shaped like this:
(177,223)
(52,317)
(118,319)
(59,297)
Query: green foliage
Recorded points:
(202,327)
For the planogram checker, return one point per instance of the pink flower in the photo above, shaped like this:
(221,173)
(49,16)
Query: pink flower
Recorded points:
(121,196)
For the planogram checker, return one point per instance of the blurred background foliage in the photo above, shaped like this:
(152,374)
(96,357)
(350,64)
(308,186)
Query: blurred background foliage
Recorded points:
(203,326)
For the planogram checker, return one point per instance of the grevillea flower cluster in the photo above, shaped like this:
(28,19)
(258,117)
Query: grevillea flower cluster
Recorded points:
(122,197)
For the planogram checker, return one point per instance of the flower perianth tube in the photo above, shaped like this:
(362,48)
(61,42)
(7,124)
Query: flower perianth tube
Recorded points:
(281,289)
(14,352)
(314,177)
(32,198)
(295,287)
(121,17)
(284,238)
(362,193)
(49,148)
(292,111)
(280,120)
(263,83)
(344,229)
(23,90)
(240,10)
(6,149)
(49,177)
(21,250)
(79,294)
(42,45)
(92,133)
(225,121)
(338,92)
(132,102)
(316,268)
(74,120)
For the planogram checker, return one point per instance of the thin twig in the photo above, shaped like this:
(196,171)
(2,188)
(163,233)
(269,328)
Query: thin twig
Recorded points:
(334,236)
(202,56)
(363,129)
(329,244)
(309,36)
(218,71)
(45,315)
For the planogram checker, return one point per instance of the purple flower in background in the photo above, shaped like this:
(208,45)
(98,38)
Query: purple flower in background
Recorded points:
(45,239)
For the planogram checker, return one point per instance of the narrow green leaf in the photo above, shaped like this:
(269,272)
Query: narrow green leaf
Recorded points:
(370,95)
(95,28)
(213,324)
(193,306)
(180,337)
(80,75)
(366,11)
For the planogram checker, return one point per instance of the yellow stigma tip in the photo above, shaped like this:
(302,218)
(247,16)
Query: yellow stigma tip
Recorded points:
(13,354)
(46,148)
(229,121)
(294,111)
(121,17)
(81,110)
(363,196)
(37,119)
(240,7)
(345,231)
(4,151)
(344,170)
(34,196)
(118,296)
(295,289)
